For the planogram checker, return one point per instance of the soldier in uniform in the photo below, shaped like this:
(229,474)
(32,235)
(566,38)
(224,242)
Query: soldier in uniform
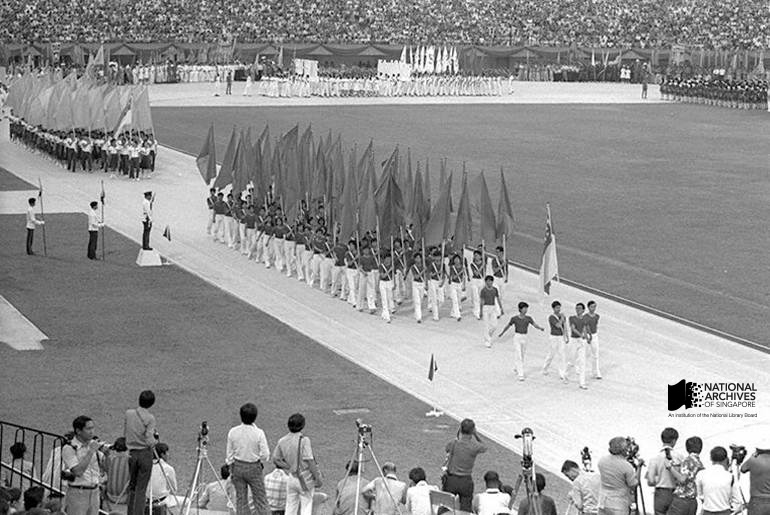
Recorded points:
(146,220)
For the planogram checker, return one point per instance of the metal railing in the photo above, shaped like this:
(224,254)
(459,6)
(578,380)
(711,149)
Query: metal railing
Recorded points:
(41,463)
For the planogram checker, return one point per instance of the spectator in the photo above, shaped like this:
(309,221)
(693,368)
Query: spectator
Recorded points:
(141,436)
(685,501)
(758,466)
(117,473)
(385,493)
(219,495)
(461,456)
(162,482)
(247,452)
(82,458)
(584,495)
(417,496)
(350,491)
(294,454)
(716,486)
(275,490)
(13,479)
(33,502)
(659,475)
(547,505)
(492,501)
(618,480)
(53,469)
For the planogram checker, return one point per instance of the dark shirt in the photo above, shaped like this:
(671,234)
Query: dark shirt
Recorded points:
(547,506)
(521,324)
(477,270)
(455,274)
(488,296)
(368,263)
(339,251)
(579,324)
(759,477)
(591,322)
(351,258)
(385,272)
(417,273)
(210,201)
(250,221)
(556,325)
(220,207)
(463,456)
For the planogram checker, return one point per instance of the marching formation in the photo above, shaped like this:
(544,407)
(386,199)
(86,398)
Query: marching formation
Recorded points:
(744,94)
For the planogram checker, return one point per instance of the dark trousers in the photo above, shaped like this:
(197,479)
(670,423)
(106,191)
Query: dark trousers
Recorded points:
(93,238)
(244,476)
(683,506)
(146,235)
(463,487)
(662,500)
(72,161)
(139,471)
(86,161)
(30,238)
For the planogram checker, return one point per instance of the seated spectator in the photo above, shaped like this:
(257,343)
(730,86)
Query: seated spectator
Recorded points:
(547,505)
(117,473)
(12,479)
(162,487)
(417,496)
(275,491)
(33,501)
(346,494)
(385,493)
(492,501)
(220,495)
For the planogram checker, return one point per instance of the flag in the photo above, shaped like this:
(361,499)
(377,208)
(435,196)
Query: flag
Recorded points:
(207,158)
(437,228)
(101,195)
(349,205)
(487,214)
(433,368)
(225,175)
(504,213)
(390,204)
(420,207)
(463,231)
(549,268)
(124,121)
(142,119)
(167,233)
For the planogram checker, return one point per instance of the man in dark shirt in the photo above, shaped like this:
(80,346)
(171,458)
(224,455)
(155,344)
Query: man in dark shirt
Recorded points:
(461,456)
(250,221)
(368,280)
(758,466)
(417,274)
(547,505)
(489,297)
(220,208)
(592,327)
(521,322)
(338,270)
(558,341)
(578,336)
(351,272)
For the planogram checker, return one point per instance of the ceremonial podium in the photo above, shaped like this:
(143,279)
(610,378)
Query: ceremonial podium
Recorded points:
(148,258)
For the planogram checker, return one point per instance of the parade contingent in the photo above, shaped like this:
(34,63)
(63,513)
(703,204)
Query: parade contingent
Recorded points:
(736,94)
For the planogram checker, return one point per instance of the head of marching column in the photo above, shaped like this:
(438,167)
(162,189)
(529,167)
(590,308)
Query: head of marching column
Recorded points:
(523,307)
(556,306)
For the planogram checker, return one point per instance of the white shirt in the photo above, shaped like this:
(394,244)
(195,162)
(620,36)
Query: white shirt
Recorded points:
(146,211)
(31,220)
(491,502)
(247,443)
(72,454)
(418,498)
(159,488)
(716,489)
(93,221)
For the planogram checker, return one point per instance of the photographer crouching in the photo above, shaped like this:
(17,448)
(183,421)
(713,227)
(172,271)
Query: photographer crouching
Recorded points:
(619,479)
(461,456)
(758,466)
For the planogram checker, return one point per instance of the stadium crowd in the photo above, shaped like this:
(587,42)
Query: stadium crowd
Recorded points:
(604,23)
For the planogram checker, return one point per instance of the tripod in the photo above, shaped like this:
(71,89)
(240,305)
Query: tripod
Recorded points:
(363,443)
(735,469)
(195,484)
(638,493)
(527,475)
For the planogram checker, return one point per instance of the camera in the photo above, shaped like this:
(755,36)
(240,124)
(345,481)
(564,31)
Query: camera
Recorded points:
(204,428)
(527,437)
(203,434)
(632,453)
(585,456)
(363,429)
(738,453)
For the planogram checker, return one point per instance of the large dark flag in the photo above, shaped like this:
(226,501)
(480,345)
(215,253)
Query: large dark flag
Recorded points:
(439,225)
(225,175)
(487,214)
(463,232)
(207,158)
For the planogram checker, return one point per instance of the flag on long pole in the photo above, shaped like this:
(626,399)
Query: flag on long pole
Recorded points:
(101,198)
(42,215)
(549,268)
(433,368)
(207,158)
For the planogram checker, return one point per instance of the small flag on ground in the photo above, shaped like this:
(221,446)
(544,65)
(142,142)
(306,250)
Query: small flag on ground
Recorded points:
(549,268)
(167,233)
(433,368)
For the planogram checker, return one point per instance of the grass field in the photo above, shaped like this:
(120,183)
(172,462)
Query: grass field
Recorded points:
(661,204)
(9,182)
(202,351)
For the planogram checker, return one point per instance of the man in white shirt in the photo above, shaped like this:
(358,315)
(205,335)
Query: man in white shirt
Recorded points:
(163,485)
(82,458)
(417,497)
(716,487)
(32,222)
(585,488)
(247,452)
(146,220)
(386,493)
(492,501)
(94,223)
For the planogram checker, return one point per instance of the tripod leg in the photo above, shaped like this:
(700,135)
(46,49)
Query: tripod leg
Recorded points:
(516,488)
(347,475)
(219,482)
(358,477)
(385,481)
(187,502)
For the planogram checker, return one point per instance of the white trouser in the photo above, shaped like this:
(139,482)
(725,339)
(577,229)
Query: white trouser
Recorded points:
(228,229)
(352,275)
(519,350)
(242,236)
(498,283)
(307,258)
(593,348)
(298,499)
(371,289)
(233,232)
(556,349)
(290,255)
(476,286)
(299,251)
(338,281)
(315,268)
(326,266)
(489,315)
(259,246)
(386,298)
(454,296)
(278,253)
(250,239)
(579,348)
(418,290)
(434,292)
(210,222)
(267,249)
(399,292)
(219,228)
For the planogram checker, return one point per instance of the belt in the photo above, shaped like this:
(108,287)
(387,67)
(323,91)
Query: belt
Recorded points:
(657,487)
(258,462)
(83,487)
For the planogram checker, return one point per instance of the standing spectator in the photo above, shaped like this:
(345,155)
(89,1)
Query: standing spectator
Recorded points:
(758,465)
(417,497)
(94,223)
(140,433)
(219,495)
(32,222)
(385,492)
(117,473)
(247,451)
(547,505)
(461,456)
(275,491)
(618,480)
(12,479)
(294,454)
(83,458)
(685,501)
(162,482)
(584,495)
(350,491)
(716,486)
(492,501)
(660,477)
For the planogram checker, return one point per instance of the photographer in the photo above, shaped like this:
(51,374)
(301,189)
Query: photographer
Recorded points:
(684,501)
(618,480)
(659,476)
(461,456)
(140,433)
(584,495)
(758,465)
(82,460)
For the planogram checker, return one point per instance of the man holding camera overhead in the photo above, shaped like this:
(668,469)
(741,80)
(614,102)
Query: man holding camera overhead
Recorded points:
(659,473)
(82,460)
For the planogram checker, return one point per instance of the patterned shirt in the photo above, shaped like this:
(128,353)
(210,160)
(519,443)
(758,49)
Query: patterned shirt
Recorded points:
(275,489)
(689,468)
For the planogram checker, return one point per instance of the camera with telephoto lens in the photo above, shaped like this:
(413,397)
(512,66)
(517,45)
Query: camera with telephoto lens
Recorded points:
(363,429)
(585,456)
(738,453)
(632,453)
(203,433)
(527,437)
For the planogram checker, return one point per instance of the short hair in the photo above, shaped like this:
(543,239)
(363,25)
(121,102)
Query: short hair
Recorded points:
(33,497)
(249,413)
(32,201)
(224,471)
(618,446)
(580,305)
(539,482)
(467,426)
(120,444)
(80,422)
(718,454)
(591,303)
(146,399)
(417,474)
(555,304)
(296,423)
(523,305)
(489,278)
(18,450)
(669,435)
(212,190)
(93,204)
(568,465)
(388,466)
(491,477)
(161,448)
(694,444)
(500,248)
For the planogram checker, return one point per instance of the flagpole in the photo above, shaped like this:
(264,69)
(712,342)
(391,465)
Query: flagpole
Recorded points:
(42,216)
(102,199)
